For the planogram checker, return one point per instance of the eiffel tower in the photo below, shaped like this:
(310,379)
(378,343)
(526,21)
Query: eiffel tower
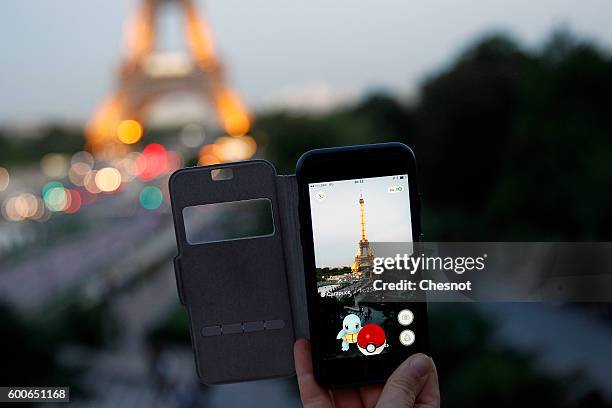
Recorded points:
(145,75)
(364,261)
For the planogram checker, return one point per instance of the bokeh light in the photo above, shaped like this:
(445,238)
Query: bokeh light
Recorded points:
(82,157)
(54,165)
(25,205)
(50,185)
(151,198)
(77,173)
(152,162)
(209,154)
(74,201)
(129,131)
(237,124)
(108,179)
(127,168)
(56,198)
(89,182)
(9,211)
(132,168)
(4,178)
(236,148)
(193,135)
(40,214)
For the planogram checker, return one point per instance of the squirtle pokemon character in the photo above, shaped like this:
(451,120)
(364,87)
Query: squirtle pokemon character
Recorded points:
(350,328)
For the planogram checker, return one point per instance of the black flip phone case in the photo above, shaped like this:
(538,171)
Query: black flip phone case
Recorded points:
(245,298)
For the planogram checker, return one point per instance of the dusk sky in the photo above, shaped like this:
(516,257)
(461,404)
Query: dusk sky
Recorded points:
(59,57)
(335,220)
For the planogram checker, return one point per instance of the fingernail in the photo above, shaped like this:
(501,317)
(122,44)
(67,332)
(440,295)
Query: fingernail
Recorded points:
(420,364)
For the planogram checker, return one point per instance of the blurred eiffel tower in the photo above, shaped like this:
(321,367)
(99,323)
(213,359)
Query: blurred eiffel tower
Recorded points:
(146,74)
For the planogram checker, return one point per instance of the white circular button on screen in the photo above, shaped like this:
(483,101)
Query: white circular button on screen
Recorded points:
(320,196)
(405,317)
(406,337)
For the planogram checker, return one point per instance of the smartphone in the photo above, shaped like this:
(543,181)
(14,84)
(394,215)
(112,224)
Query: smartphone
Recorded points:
(349,199)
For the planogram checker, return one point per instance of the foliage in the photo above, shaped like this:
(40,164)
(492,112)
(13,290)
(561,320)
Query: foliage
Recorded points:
(172,329)
(32,145)
(28,357)
(36,342)
(477,371)
(512,144)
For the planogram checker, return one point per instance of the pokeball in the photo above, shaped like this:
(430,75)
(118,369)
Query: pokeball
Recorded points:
(371,339)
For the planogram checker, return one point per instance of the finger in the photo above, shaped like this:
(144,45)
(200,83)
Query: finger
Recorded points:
(370,394)
(406,382)
(430,394)
(347,398)
(311,393)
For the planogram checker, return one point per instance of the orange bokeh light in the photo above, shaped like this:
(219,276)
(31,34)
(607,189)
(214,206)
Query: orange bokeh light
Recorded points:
(237,124)
(129,131)
(210,154)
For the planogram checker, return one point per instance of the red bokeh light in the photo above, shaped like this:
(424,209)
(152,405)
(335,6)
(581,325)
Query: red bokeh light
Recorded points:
(74,202)
(152,162)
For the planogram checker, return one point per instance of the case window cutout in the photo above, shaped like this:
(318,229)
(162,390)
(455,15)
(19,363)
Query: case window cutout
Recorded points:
(228,221)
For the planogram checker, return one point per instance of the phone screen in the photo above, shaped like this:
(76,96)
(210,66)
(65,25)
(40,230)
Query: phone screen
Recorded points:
(347,217)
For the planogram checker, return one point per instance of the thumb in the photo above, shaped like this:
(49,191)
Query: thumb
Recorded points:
(406,382)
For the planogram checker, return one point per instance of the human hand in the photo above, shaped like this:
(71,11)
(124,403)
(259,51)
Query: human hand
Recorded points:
(413,384)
